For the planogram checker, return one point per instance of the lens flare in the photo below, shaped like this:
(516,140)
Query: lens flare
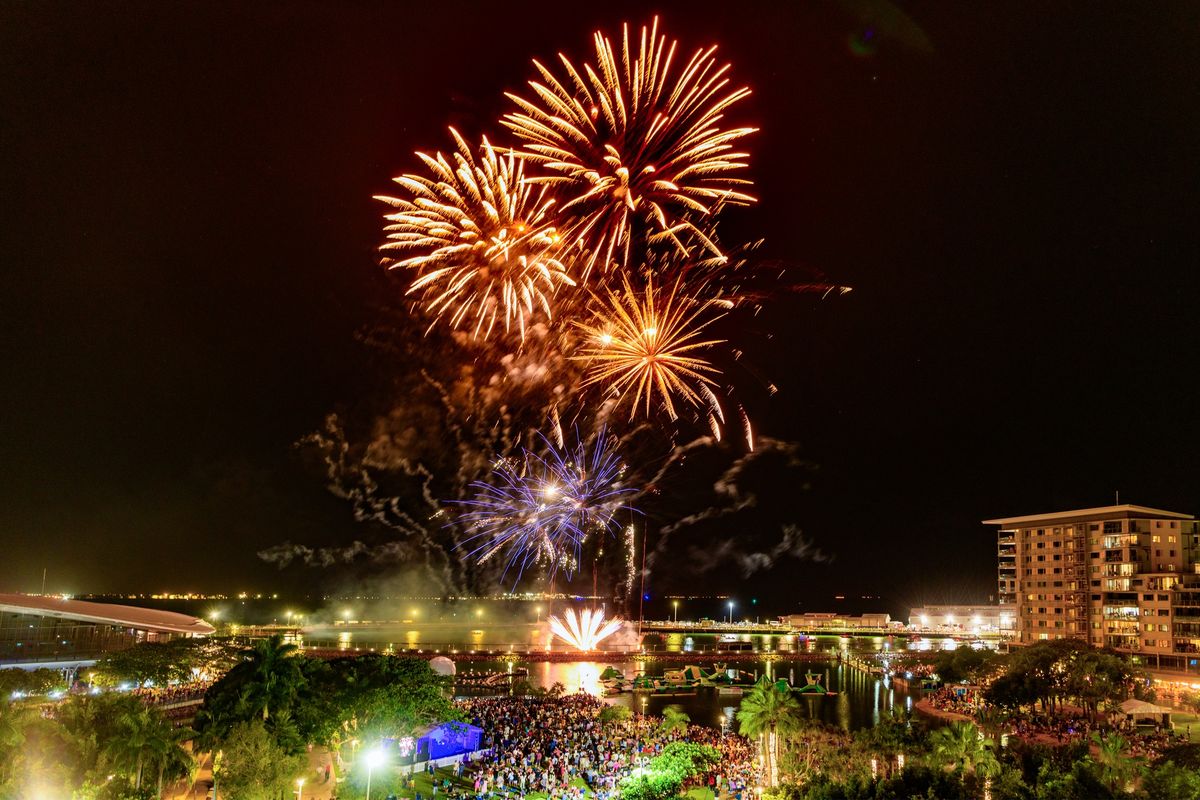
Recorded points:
(480,239)
(584,630)
(636,144)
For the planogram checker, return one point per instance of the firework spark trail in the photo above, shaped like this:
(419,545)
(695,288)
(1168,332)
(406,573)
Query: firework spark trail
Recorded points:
(583,630)
(623,168)
(645,343)
(543,509)
(639,148)
(480,238)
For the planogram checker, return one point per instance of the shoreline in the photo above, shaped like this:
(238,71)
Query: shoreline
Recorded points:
(604,657)
(925,707)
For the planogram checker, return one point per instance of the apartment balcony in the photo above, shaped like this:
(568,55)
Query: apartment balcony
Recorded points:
(1007,538)
(1125,540)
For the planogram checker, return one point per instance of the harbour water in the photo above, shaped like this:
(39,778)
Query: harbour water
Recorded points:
(861,698)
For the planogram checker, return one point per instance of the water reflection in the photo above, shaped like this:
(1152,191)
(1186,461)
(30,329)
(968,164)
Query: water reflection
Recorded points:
(862,699)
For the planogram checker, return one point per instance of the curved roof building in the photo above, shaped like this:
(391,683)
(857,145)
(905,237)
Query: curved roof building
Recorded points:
(39,628)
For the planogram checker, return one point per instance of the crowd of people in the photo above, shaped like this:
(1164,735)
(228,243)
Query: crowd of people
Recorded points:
(1065,726)
(558,745)
(175,693)
(954,700)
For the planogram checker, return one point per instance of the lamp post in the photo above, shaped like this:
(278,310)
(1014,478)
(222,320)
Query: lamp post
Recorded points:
(730,612)
(374,758)
(641,722)
(675,603)
(299,788)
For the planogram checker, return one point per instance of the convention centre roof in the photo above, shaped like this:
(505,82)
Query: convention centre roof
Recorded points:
(148,619)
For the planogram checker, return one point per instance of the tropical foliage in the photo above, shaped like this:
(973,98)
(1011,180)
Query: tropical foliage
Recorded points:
(300,700)
(101,746)
(1053,672)
(20,682)
(160,663)
(769,711)
(674,719)
(253,766)
(667,772)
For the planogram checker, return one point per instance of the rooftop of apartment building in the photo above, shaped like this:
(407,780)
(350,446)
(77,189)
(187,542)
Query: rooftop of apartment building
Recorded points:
(1125,511)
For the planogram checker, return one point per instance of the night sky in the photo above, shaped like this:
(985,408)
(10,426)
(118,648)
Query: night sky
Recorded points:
(188,251)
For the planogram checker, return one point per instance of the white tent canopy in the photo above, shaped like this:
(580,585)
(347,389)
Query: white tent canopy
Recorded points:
(1141,707)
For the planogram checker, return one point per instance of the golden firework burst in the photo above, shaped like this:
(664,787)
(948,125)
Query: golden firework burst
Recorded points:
(644,343)
(480,239)
(638,148)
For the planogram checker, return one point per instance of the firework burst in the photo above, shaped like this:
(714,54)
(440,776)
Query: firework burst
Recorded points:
(636,144)
(584,630)
(644,344)
(542,509)
(479,238)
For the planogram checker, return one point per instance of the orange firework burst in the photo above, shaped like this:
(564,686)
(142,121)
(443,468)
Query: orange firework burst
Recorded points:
(645,343)
(638,147)
(480,238)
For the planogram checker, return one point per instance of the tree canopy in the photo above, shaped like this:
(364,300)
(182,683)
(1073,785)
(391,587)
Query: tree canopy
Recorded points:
(301,699)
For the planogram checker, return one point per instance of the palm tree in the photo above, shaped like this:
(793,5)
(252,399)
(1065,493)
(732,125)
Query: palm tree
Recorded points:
(1115,765)
(272,675)
(768,711)
(12,725)
(674,719)
(961,747)
(172,758)
(130,740)
(992,721)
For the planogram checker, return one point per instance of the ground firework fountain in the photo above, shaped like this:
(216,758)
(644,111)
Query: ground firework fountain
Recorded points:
(584,630)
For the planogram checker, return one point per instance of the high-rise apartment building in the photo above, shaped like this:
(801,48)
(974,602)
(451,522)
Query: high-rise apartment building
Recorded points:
(1120,576)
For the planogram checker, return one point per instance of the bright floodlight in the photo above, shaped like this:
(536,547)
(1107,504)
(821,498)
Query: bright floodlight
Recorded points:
(375,757)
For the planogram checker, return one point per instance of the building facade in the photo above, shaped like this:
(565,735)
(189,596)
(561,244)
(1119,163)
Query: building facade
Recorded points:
(39,629)
(1120,576)
(965,619)
(816,621)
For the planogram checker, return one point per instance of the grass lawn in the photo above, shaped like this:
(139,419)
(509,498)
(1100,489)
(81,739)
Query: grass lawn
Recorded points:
(422,783)
(699,793)
(1184,722)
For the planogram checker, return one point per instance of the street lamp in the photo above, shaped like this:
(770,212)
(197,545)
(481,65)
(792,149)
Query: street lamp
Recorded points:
(675,603)
(730,612)
(299,788)
(374,758)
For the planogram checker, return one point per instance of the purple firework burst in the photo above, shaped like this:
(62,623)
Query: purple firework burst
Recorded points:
(542,508)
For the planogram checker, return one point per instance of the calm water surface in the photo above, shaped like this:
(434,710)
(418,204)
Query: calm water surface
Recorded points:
(861,701)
